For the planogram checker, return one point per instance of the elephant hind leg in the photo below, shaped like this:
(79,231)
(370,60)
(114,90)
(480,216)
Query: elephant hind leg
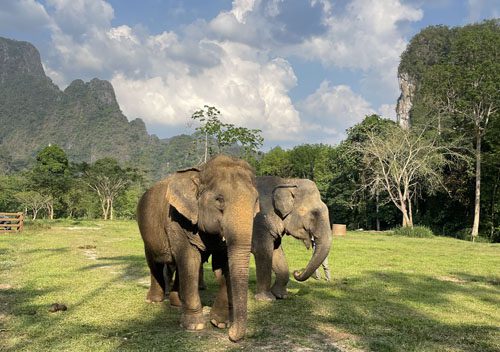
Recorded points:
(280,268)
(156,291)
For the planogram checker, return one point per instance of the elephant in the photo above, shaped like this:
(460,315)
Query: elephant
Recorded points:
(293,207)
(209,209)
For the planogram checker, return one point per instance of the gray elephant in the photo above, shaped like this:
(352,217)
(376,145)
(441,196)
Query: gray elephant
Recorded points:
(194,212)
(292,207)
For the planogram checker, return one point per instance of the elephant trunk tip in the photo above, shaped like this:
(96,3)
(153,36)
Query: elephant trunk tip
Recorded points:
(297,274)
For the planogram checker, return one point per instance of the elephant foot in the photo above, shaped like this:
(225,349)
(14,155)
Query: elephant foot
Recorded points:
(219,319)
(193,322)
(265,296)
(219,324)
(174,299)
(155,297)
(279,292)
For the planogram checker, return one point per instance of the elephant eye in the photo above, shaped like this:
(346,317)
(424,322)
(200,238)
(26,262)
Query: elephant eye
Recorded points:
(219,202)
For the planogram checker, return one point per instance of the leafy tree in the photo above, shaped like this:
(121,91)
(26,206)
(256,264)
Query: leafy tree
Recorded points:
(303,160)
(50,176)
(108,180)
(9,186)
(216,136)
(465,86)
(275,162)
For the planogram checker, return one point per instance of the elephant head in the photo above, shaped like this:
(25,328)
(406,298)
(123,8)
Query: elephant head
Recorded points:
(220,198)
(305,217)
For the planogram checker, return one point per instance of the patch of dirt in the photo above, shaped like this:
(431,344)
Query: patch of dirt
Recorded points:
(76,228)
(341,340)
(451,279)
(87,246)
(5,287)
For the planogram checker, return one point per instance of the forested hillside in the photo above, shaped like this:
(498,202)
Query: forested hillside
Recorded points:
(84,119)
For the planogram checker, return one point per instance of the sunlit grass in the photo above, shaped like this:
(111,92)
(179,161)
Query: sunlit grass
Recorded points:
(388,293)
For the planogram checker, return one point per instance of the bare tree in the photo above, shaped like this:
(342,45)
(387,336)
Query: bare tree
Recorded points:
(403,163)
(108,180)
(34,201)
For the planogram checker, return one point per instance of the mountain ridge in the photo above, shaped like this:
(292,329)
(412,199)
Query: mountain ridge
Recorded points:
(84,119)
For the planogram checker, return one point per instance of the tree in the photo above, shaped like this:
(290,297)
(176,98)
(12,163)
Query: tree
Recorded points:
(402,163)
(216,136)
(466,86)
(108,180)
(275,162)
(50,176)
(34,201)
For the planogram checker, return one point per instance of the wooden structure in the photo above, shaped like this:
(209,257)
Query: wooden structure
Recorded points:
(11,222)
(339,229)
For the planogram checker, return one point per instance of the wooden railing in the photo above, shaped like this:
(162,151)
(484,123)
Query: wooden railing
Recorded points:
(11,222)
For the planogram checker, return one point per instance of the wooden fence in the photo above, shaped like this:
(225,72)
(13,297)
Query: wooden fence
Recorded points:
(11,222)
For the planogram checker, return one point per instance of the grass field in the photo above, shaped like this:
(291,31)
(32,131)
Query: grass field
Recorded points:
(388,293)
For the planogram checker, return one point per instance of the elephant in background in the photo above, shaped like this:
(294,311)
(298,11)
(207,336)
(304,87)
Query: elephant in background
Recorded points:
(194,212)
(293,207)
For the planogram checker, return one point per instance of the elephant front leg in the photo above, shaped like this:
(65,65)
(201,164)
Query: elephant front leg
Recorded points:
(280,268)
(219,314)
(192,311)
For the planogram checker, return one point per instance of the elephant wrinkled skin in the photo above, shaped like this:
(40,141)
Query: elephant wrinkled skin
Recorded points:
(292,207)
(194,212)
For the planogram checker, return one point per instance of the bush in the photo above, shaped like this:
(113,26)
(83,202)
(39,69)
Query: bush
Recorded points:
(416,231)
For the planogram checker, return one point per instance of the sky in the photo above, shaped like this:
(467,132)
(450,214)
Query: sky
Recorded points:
(302,71)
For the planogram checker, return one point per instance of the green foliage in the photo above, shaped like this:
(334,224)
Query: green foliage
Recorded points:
(275,163)
(216,136)
(415,231)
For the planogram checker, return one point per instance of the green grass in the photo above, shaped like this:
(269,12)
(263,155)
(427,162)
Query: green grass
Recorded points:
(389,293)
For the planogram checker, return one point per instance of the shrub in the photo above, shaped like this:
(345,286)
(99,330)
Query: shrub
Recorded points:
(416,231)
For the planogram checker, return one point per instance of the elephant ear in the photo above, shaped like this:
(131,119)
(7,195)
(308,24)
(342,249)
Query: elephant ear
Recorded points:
(283,199)
(182,193)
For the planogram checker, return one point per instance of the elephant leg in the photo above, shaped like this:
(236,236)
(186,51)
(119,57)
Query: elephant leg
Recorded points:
(263,253)
(156,291)
(219,314)
(188,269)
(173,296)
(280,268)
(201,279)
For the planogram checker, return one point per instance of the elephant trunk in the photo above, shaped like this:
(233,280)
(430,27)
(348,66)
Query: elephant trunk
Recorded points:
(323,240)
(238,248)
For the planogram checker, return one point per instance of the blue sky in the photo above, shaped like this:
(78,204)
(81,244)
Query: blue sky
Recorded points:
(303,71)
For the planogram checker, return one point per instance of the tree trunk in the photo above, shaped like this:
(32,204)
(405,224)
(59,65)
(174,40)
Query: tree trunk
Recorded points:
(111,209)
(377,208)
(477,201)
(206,147)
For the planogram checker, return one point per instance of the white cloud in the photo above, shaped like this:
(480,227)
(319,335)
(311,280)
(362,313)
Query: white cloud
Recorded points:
(248,94)
(22,15)
(330,110)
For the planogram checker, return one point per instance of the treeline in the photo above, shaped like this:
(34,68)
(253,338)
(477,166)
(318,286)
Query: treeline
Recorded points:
(56,188)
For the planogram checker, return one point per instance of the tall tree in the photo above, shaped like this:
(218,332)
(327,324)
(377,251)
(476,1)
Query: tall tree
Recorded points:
(216,136)
(50,176)
(466,86)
